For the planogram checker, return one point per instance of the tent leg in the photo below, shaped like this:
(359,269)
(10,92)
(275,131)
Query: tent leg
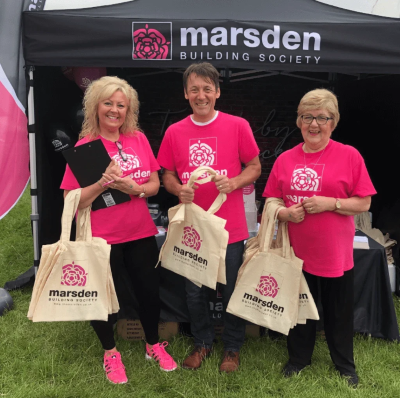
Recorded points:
(29,275)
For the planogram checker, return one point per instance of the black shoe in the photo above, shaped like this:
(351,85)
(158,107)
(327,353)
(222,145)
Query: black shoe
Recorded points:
(352,379)
(290,370)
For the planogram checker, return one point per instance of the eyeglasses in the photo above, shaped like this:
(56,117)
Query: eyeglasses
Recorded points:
(121,152)
(321,120)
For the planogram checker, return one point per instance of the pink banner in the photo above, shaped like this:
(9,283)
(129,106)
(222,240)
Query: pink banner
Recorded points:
(14,147)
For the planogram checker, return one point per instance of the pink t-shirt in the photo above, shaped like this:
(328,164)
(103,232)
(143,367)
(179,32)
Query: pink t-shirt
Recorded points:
(324,241)
(224,144)
(130,220)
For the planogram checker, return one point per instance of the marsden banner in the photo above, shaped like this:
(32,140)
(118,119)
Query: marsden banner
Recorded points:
(301,35)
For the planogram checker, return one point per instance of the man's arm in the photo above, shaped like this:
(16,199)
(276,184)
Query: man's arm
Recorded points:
(249,174)
(173,185)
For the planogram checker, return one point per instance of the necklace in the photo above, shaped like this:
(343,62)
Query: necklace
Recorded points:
(308,178)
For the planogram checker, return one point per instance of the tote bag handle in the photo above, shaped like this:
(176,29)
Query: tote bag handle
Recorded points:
(83,225)
(268,229)
(71,203)
(194,178)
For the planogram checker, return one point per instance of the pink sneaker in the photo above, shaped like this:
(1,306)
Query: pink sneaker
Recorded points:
(115,369)
(158,353)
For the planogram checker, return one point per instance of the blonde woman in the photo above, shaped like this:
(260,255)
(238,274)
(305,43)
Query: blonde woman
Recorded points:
(111,115)
(323,184)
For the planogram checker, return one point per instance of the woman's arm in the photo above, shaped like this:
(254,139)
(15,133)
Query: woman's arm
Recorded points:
(293,213)
(152,186)
(354,205)
(88,194)
(349,206)
(91,192)
(131,187)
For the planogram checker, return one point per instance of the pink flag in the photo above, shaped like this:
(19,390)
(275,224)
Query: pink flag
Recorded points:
(14,147)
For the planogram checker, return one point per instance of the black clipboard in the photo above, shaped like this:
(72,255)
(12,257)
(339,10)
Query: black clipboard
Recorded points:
(87,163)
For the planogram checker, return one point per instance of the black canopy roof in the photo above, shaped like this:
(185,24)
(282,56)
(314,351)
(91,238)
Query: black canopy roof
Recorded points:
(288,35)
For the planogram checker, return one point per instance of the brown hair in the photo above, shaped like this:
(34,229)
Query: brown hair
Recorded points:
(104,88)
(203,69)
(320,98)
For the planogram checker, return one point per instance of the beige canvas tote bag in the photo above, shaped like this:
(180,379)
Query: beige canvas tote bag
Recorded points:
(252,246)
(267,293)
(196,242)
(84,233)
(73,282)
(307,307)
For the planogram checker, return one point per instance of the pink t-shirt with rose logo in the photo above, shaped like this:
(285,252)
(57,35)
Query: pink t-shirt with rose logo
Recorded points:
(324,241)
(225,145)
(130,220)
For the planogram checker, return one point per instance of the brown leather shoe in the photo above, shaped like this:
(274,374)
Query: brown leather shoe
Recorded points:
(194,360)
(230,362)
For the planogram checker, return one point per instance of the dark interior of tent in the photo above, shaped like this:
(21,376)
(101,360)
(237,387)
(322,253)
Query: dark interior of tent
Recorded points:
(369,106)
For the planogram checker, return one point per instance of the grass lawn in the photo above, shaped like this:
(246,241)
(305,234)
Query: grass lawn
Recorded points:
(65,359)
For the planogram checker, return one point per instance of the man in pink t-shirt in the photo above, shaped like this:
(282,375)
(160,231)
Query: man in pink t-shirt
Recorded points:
(225,143)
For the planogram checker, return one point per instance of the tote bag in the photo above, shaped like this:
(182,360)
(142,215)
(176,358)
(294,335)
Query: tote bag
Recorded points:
(267,292)
(196,242)
(74,281)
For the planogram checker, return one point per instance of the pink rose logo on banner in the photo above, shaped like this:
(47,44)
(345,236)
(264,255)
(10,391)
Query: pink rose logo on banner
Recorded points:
(191,238)
(306,179)
(150,43)
(268,286)
(73,275)
(203,153)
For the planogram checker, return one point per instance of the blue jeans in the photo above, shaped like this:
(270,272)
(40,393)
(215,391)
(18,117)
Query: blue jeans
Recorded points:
(198,305)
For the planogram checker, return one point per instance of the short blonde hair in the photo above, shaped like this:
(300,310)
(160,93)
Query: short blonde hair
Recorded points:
(98,91)
(320,98)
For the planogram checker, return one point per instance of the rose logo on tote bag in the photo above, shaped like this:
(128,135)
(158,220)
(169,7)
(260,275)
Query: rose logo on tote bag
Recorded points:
(73,275)
(196,242)
(268,286)
(191,238)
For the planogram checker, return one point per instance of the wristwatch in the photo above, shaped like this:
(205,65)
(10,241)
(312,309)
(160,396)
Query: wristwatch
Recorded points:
(338,205)
(142,195)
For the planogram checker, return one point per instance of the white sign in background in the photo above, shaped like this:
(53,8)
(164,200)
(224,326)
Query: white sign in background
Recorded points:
(71,4)
(383,8)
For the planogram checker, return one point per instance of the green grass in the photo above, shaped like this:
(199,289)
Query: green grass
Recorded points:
(65,359)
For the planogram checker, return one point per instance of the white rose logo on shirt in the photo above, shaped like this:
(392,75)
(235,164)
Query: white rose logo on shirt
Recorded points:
(203,152)
(307,178)
(132,160)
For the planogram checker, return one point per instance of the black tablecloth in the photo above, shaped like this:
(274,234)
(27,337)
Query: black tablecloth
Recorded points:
(374,312)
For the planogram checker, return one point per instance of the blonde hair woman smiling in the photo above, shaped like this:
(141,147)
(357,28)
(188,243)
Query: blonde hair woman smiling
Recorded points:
(111,115)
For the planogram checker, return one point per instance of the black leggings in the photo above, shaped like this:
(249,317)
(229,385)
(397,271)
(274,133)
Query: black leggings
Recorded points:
(139,258)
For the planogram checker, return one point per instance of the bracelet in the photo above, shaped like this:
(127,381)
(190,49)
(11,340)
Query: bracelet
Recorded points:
(98,182)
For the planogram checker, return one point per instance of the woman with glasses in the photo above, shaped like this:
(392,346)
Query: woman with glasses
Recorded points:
(323,184)
(111,108)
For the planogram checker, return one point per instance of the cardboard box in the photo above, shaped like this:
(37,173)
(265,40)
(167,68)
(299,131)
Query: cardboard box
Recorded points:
(131,329)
